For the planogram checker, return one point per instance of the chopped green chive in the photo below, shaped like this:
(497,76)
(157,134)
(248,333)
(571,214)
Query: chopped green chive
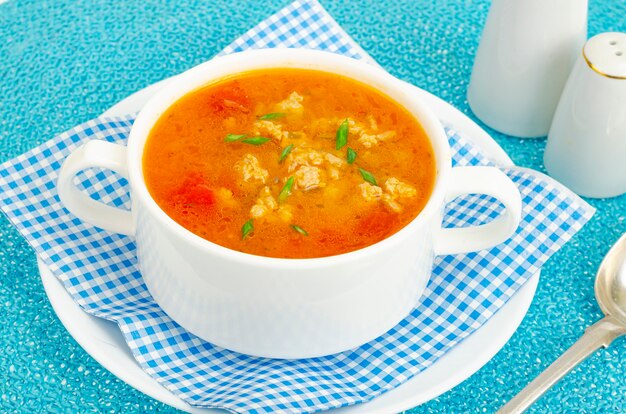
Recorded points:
(367,176)
(351,155)
(273,115)
(299,230)
(342,135)
(234,137)
(246,229)
(286,191)
(256,140)
(285,152)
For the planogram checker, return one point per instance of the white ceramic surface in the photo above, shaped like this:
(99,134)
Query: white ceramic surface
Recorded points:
(286,308)
(104,342)
(586,148)
(526,52)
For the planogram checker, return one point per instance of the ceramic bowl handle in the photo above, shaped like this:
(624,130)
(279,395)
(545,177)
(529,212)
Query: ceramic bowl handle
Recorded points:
(102,154)
(480,180)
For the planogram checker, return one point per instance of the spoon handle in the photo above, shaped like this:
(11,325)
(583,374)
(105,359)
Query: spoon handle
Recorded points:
(598,335)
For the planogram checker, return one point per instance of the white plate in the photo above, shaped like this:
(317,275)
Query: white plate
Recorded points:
(104,342)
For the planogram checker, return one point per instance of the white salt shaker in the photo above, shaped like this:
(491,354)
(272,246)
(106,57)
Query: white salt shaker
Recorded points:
(586,148)
(526,52)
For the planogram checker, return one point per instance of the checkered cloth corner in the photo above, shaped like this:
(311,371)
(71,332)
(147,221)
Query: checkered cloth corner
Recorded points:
(99,269)
(302,24)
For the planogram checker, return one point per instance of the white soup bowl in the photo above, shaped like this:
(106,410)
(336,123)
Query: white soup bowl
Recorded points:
(286,308)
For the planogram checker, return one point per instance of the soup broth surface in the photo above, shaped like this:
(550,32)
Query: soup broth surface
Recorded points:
(289,163)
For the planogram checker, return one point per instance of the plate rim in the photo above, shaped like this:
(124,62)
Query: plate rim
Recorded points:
(516,308)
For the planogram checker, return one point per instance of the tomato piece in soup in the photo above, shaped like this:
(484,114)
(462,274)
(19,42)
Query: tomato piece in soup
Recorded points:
(195,191)
(378,223)
(230,98)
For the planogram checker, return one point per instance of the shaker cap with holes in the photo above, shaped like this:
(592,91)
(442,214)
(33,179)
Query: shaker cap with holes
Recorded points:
(606,54)
(586,148)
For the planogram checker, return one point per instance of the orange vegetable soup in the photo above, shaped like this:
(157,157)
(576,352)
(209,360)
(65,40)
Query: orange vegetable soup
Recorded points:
(289,163)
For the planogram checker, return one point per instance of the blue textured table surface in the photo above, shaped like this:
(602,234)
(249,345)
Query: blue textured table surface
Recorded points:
(63,62)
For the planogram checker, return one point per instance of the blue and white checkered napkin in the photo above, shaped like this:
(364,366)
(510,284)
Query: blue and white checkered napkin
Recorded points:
(99,269)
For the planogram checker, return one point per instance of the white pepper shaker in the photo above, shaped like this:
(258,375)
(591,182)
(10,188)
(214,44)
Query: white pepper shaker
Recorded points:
(586,148)
(526,52)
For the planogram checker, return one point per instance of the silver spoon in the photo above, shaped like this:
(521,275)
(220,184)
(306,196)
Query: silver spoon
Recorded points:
(610,290)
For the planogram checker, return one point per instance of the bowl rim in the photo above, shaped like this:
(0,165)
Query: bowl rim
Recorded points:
(219,68)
